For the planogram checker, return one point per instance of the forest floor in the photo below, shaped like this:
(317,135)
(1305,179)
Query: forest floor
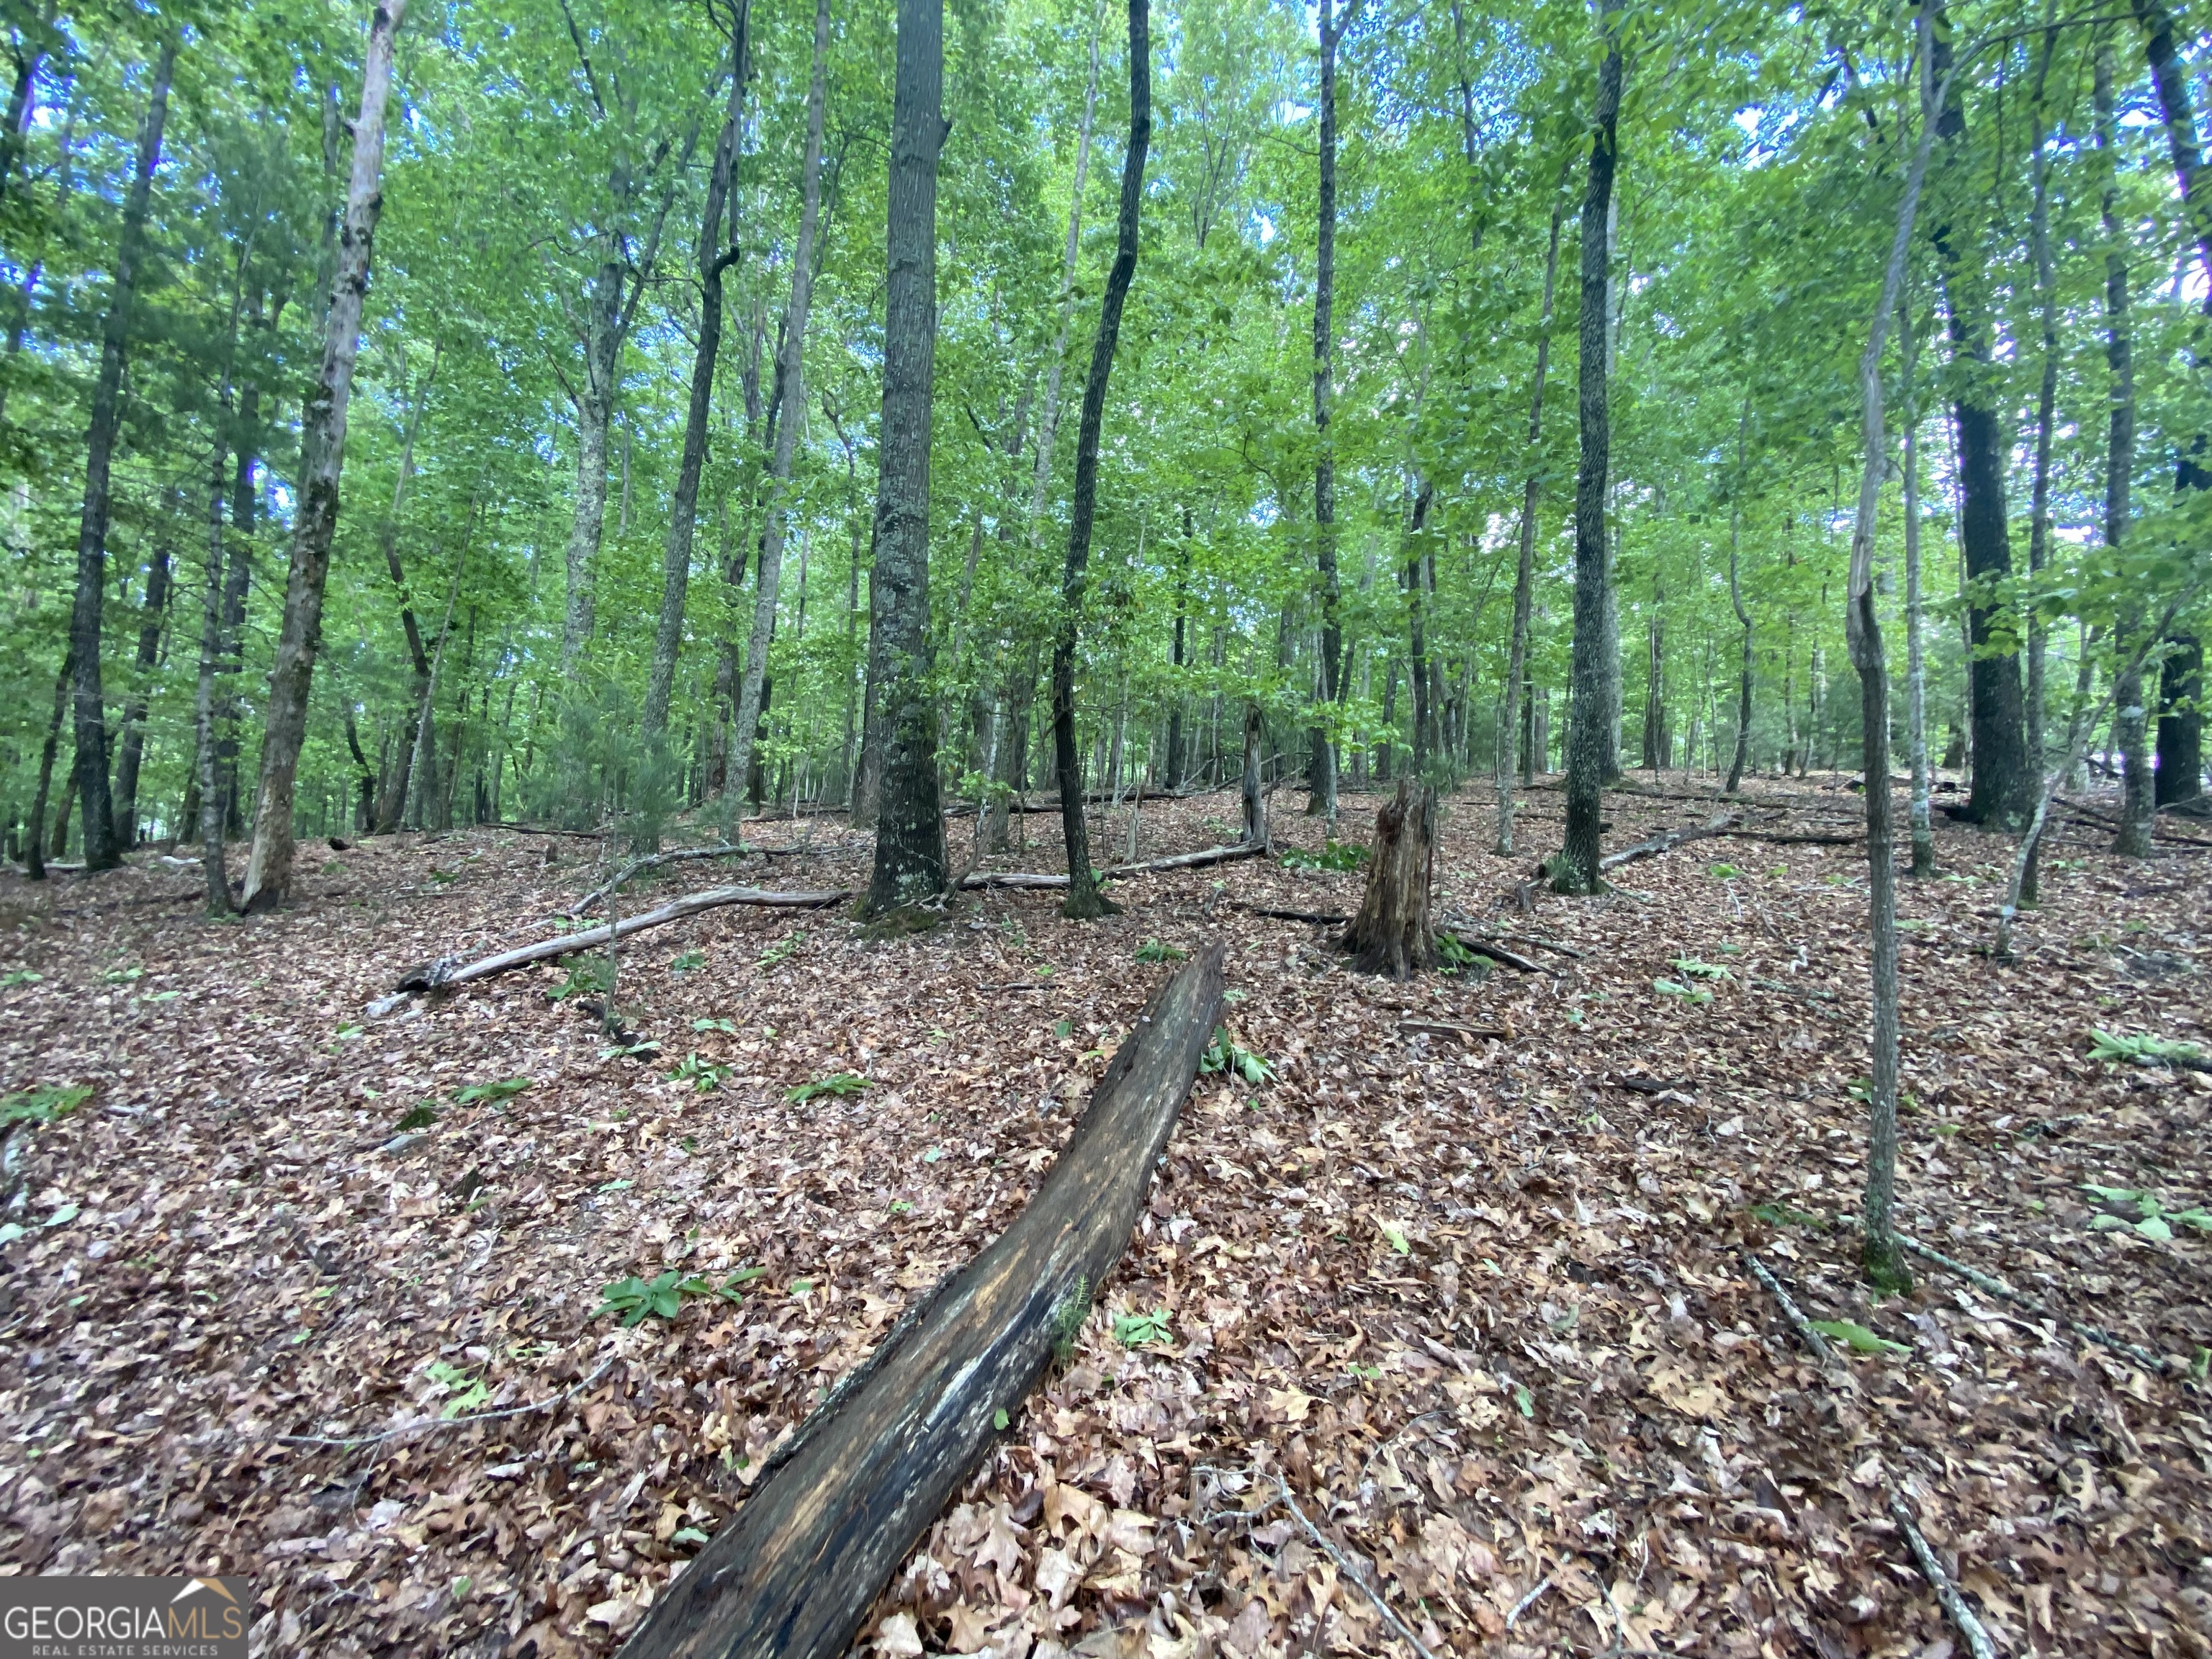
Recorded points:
(1482,1299)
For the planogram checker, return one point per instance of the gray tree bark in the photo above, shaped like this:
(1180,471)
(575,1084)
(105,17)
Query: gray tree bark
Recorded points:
(1321,800)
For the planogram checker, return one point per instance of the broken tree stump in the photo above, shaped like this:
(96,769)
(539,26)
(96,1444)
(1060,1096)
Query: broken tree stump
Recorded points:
(793,1572)
(1391,934)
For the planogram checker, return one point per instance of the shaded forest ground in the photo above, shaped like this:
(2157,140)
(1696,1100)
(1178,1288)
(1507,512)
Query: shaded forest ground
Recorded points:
(1479,1300)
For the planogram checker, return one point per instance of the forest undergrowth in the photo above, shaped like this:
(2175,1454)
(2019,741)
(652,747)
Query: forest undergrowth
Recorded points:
(1442,1283)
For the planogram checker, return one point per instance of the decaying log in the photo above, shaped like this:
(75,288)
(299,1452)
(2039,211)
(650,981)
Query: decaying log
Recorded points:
(1668,839)
(1199,859)
(793,1572)
(1391,934)
(1470,1033)
(444,972)
(1316,918)
(1483,945)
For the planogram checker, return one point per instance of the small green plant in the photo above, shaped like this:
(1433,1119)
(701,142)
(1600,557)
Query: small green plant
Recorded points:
(901,1206)
(645,1049)
(729,1027)
(19,976)
(1333,856)
(784,949)
(1855,1337)
(1691,967)
(1224,1053)
(689,963)
(1676,988)
(589,976)
(468,1392)
(1775,1214)
(701,1075)
(43,1105)
(442,877)
(1135,1330)
(1455,958)
(423,1116)
(123,976)
(490,1094)
(1723,872)
(662,1297)
(2152,1219)
(1063,1028)
(1152,951)
(2140,1049)
(1394,1234)
(837,1082)
(1067,1317)
(999,1420)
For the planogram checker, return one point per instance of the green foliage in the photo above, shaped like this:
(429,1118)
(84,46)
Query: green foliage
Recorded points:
(689,961)
(2149,1217)
(662,1296)
(1136,1330)
(701,1075)
(589,976)
(490,1094)
(1151,950)
(1453,957)
(15,977)
(467,1392)
(46,1104)
(1067,1317)
(1855,1337)
(1333,856)
(784,949)
(1694,968)
(1682,993)
(1224,1054)
(423,1115)
(837,1082)
(1776,1213)
(2140,1049)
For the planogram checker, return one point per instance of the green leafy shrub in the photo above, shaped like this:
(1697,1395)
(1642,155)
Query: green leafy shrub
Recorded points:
(2140,1049)
(1152,951)
(42,1105)
(837,1082)
(1224,1053)
(662,1297)
(1333,856)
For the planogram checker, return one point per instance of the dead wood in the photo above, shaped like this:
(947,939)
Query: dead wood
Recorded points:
(1391,934)
(444,972)
(1483,945)
(1473,1034)
(1318,918)
(1196,861)
(1668,839)
(795,1570)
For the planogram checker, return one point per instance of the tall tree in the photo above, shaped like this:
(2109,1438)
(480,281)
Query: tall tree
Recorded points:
(152,615)
(2003,784)
(100,848)
(323,425)
(909,861)
(1574,870)
(713,259)
(1322,774)
(2137,804)
(791,375)
(1084,899)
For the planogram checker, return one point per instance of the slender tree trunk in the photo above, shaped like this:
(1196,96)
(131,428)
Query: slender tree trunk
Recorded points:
(100,851)
(1084,899)
(909,861)
(1532,489)
(1322,775)
(323,422)
(1884,1261)
(133,747)
(791,373)
(1655,746)
(1417,634)
(595,401)
(683,508)
(1574,870)
(213,730)
(29,55)
(1742,616)
(2003,784)
(1254,786)
(388,810)
(1175,660)
(1916,662)
(2137,802)
(34,833)
(2047,400)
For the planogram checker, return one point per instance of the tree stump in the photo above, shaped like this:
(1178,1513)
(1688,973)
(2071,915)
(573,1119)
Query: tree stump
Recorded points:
(1391,933)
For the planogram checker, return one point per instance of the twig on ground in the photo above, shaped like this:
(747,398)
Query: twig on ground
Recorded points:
(1448,1028)
(1345,1567)
(1969,1626)
(1543,944)
(1997,1287)
(426,1424)
(1528,1602)
(1811,1337)
(655,861)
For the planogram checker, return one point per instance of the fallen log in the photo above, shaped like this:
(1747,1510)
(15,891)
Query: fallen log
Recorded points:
(1484,946)
(638,866)
(1200,859)
(1317,918)
(434,976)
(1668,839)
(795,1571)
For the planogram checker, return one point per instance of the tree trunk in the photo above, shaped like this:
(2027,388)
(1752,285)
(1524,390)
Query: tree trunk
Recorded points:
(791,373)
(1392,934)
(1416,635)
(683,506)
(1084,900)
(909,859)
(2180,775)
(1175,661)
(212,728)
(595,401)
(1916,662)
(1576,868)
(34,833)
(1255,790)
(2136,802)
(388,810)
(1524,576)
(323,423)
(1322,775)
(1883,1261)
(1656,748)
(2047,310)
(1742,616)
(2002,784)
(100,851)
(133,747)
